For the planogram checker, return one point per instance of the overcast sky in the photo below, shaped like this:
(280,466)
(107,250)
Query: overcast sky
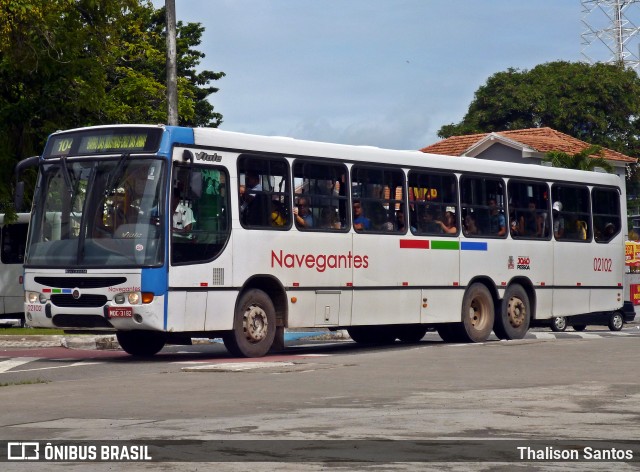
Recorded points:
(385,73)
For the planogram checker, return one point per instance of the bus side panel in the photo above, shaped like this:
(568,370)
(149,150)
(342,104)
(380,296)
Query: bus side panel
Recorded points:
(382,282)
(607,270)
(572,274)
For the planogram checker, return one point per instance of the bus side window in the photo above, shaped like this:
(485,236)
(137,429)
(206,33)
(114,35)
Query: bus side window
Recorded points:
(434,198)
(571,212)
(320,200)
(377,194)
(484,199)
(606,214)
(529,210)
(264,192)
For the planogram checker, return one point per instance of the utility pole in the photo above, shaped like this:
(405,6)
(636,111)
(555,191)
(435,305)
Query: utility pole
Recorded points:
(172,76)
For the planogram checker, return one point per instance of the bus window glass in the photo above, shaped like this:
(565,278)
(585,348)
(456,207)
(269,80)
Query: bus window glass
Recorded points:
(200,219)
(14,238)
(529,210)
(320,200)
(606,213)
(483,206)
(571,213)
(264,193)
(115,224)
(377,194)
(433,203)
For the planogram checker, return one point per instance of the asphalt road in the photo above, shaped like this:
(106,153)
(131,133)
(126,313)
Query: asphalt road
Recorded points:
(551,386)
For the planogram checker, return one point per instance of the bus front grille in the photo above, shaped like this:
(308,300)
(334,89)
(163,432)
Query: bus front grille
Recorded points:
(80,282)
(85,301)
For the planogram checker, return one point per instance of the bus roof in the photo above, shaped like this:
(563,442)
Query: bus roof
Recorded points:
(296,148)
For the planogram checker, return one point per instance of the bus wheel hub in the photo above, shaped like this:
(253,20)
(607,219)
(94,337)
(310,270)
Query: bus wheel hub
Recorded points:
(516,312)
(256,325)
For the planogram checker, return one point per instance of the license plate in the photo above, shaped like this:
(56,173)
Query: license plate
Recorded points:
(118,312)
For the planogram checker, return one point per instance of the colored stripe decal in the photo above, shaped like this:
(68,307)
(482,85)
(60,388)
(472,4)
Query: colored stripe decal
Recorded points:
(414,244)
(449,245)
(473,246)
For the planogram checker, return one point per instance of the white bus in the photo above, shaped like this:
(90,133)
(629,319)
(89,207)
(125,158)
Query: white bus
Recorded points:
(161,234)
(13,239)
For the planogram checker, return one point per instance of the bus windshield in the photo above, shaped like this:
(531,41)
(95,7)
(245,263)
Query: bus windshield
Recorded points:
(98,213)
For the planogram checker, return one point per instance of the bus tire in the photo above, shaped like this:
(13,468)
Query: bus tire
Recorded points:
(141,343)
(372,334)
(477,315)
(254,325)
(581,327)
(410,334)
(515,314)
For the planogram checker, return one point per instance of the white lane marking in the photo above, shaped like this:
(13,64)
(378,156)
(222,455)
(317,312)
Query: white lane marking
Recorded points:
(15,362)
(75,364)
(544,335)
(587,335)
(236,366)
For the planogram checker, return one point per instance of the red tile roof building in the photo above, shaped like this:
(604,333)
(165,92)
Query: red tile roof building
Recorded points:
(532,142)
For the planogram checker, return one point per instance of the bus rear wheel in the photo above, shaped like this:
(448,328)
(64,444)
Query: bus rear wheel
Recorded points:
(254,326)
(515,314)
(477,317)
(141,343)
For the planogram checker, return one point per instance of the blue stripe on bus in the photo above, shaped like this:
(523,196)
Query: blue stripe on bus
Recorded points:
(473,246)
(175,134)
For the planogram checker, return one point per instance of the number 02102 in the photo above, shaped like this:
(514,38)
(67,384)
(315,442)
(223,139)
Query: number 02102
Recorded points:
(602,264)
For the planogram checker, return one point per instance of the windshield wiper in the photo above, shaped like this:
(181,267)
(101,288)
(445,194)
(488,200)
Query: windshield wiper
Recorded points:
(115,175)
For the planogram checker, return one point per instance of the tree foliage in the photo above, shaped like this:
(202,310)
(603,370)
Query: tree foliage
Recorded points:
(599,104)
(583,160)
(73,63)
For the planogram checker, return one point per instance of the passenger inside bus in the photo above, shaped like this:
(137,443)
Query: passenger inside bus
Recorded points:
(302,214)
(427,222)
(497,221)
(470,225)
(329,218)
(360,222)
(531,223)
(448,223)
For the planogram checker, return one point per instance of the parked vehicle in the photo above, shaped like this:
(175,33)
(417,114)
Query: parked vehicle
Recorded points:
(12,244)
(615,320)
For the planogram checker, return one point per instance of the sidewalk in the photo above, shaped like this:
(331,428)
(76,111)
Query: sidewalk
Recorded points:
(109,341)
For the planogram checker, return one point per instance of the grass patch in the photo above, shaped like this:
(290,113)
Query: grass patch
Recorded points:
(24,382)
(30,331)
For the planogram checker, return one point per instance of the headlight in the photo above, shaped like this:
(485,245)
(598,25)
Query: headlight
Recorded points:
(134,298)
(119,298)
(32,297)
(42,298)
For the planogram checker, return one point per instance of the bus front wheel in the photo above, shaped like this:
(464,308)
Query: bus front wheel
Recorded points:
(515,314)
(254,326)
(141,343)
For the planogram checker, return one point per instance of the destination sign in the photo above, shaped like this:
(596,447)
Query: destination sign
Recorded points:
(104,141)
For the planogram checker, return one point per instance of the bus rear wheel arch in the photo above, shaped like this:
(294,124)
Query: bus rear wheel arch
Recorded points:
(514,317)
(254,325)
(141,343)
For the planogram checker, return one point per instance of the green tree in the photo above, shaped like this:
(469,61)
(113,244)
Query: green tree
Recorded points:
(72,63)
(599,104)
(583,160)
